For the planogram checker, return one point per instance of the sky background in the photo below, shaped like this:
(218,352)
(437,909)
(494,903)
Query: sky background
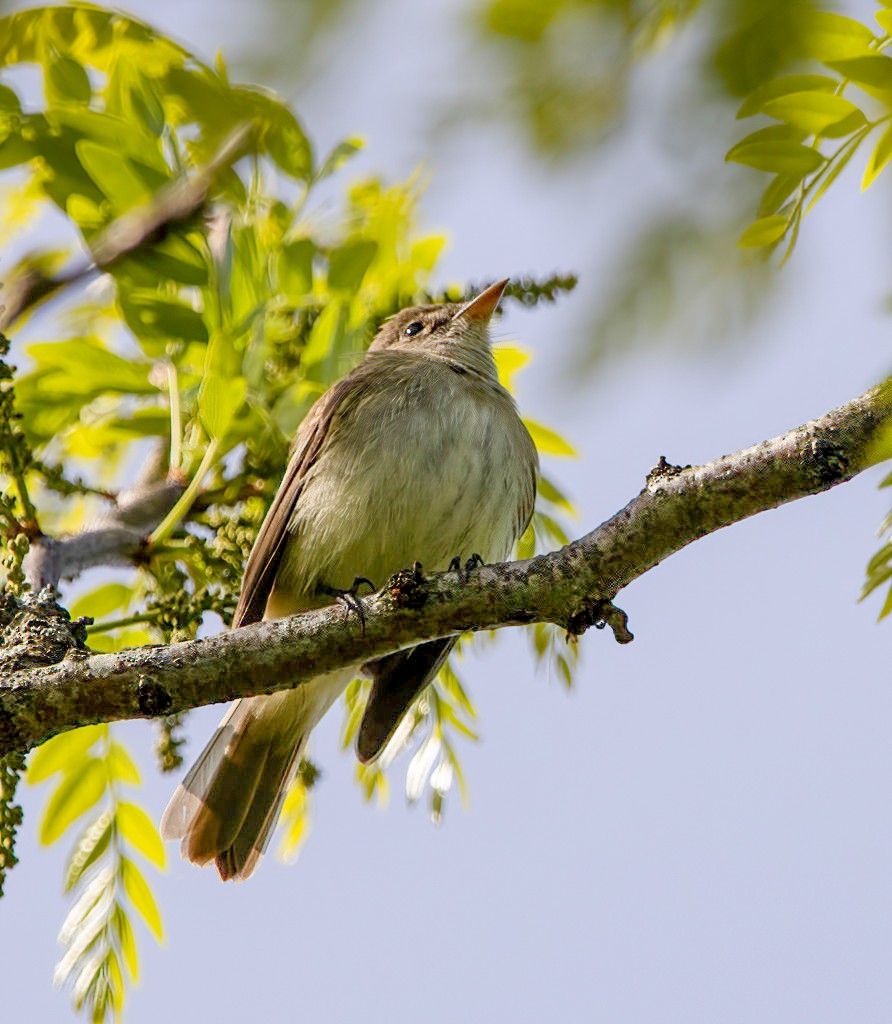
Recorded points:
(701,830)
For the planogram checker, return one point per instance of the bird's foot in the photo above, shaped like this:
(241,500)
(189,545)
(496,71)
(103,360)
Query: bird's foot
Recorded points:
(350,596)
(474,562)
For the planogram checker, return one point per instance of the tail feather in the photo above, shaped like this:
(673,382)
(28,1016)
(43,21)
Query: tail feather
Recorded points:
(228,804)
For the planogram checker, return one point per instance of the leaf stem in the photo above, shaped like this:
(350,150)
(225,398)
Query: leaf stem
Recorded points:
(129,620)
(176,422)
(169,523)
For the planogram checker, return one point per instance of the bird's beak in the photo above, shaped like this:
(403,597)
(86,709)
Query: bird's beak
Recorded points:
(482,306)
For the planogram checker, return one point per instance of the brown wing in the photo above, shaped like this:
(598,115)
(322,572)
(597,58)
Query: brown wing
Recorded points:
(263,562)
(397,679)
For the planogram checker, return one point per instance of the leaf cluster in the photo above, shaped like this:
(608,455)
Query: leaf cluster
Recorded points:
(89,767)
(818,119)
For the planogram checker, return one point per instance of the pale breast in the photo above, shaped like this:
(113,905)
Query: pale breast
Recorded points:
(427,463)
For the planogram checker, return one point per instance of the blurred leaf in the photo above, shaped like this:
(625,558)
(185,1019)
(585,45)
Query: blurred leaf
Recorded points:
(61,751)
(813,112)
(89,365)
(223,389)
(156,321)
(79,790)
(835,169)
(880,156)
(102,601)
(295,268)
(341,153)
(547,441)
(120,764)
(873,72)
(126,942)
(88,849)
(776,157)
(348,265)
(832,37)
(140,895)
(765,231)
(139,830)
(784,86)
(510,359)
(65,81)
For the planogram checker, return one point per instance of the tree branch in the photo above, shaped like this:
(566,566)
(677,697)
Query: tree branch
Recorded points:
(573,588)
(173,204)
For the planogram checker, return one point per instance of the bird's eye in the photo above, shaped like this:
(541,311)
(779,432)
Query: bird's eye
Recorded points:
(414,327)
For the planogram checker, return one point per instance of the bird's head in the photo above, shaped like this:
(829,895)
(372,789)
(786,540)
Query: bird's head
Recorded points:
(452,330)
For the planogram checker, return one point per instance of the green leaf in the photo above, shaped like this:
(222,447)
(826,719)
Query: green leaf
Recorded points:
(784,86)
(295,268)
(120,764)
(777,157)
(79,790)
(509,360)
(836,168)
(765,231)
(62,751)
(813,112)
(140,895)
(102,601)
(342,152)
(90,368)
(223,389)
(884,20)
(777,193)
(15,150)
(281,134)
(9,101)
(347,265)
(139,830)
(874,73)
(831,37)
(880,156)
(156,321)
(549,492)
(88,849)
(115,175)
(547,441)
(66,81)
(887,606)
(126,942)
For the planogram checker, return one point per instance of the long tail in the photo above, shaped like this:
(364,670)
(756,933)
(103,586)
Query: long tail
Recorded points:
(228,804)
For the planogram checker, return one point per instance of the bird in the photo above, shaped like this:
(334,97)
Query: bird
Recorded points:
(416,456)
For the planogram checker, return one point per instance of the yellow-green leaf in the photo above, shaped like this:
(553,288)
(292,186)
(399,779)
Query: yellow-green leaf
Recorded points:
(777,157)
(764,231)
(139,830)
(140,895)
(829,37)
(784,86)
(509,359)
(78,791)
(102,601)
(873,73)
(884,20)
(62,751)
(547,441)
(813,112)
(127,942)
(120,764)
(880,156)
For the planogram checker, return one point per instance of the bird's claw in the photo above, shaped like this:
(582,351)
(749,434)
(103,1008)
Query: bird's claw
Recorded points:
(463,572)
